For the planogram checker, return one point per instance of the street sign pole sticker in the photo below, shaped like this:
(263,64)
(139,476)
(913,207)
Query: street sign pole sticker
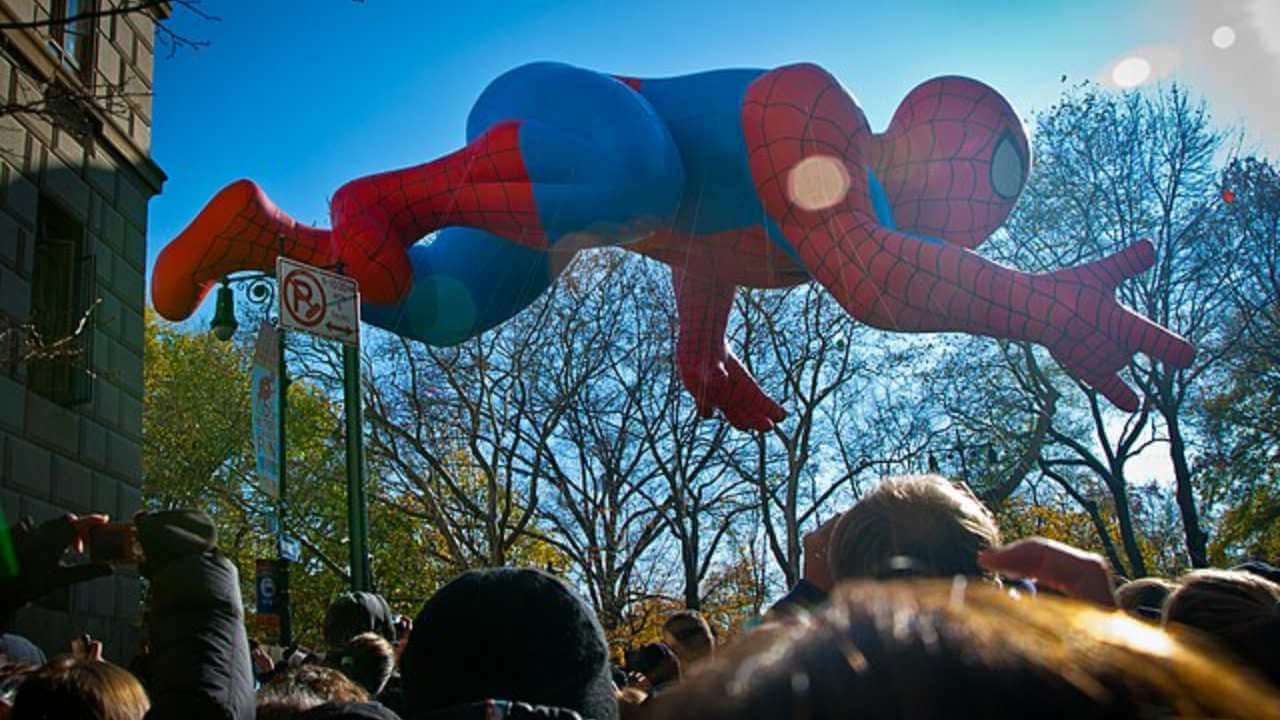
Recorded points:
(318,302)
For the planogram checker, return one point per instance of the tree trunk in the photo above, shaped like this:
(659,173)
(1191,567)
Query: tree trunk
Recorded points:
(692,599)
(1109,547)
(1124,518)
(1195,536)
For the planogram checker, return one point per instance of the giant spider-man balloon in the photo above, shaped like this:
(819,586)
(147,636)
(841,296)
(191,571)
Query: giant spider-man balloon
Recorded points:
(731,177)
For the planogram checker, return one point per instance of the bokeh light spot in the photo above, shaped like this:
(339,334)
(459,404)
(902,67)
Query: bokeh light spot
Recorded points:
(1223,37)
(818,182)
(1131,72)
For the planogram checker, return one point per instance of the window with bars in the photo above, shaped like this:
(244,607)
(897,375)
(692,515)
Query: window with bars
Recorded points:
(63,280)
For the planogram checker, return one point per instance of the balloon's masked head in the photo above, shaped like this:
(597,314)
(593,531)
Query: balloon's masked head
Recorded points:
(953,161)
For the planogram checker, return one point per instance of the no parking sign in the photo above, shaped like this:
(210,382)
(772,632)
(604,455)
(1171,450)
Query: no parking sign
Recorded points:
(318,302)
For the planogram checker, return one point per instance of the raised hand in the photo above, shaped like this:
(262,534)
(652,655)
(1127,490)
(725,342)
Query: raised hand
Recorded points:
(1069,570)
(1093,336)
(39,552)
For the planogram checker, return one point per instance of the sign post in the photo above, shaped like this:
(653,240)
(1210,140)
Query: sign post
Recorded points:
(327,304)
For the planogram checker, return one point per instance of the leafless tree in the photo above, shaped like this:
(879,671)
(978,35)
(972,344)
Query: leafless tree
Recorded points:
(461,435)
(1111,169)
(852,414)
(597,504)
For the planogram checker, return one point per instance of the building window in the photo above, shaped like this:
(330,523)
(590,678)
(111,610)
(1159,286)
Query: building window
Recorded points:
(62,290)
(73,35)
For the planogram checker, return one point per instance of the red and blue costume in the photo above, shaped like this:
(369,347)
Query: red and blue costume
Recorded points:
(732,178)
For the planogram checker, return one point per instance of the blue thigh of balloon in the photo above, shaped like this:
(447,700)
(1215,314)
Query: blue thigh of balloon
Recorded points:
(604,170)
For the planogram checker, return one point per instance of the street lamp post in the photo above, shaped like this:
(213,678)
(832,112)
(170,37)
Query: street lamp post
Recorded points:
(261,292)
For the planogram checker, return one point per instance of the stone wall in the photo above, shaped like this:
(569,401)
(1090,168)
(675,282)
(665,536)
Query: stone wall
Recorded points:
(84,458)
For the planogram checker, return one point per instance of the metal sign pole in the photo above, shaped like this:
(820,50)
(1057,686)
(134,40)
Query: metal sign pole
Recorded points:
(282,406)
(357,508)
(326,304)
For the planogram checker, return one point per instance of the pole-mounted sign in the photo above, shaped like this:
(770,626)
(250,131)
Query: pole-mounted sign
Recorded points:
(318,302)
(327,304)
(265,384)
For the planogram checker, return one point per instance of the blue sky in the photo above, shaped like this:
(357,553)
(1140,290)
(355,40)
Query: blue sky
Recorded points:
(303,95)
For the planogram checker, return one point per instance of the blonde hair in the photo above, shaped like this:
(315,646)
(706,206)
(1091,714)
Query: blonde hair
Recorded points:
(965,650)
(917,525)
(73,688)
(1238,609)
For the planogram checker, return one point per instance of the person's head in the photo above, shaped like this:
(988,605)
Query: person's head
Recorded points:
(688,633)
(924,649)
(73,688)
(369,660)
(353,613)
(304,687)
(655,661)
(1240,610)
(912,525)
(508,634)
(1144,597)
(953,161)
(1261,569)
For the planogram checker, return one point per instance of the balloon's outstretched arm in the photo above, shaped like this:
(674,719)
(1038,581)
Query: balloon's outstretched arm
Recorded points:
(899,282)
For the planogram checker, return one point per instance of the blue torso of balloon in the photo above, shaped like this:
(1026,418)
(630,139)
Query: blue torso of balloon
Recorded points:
(703,113)
(580,133)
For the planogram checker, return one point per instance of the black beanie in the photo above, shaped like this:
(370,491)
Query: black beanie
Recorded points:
(353,613)
(508,634)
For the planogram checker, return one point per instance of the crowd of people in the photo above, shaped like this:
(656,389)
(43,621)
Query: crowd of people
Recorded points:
(910,606)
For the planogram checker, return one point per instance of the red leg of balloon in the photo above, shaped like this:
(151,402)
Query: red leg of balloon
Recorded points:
(484,186)
(711,372)
(375,219)
(900,282)
(239,229)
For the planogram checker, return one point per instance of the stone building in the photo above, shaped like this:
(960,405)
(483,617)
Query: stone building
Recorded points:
(75,179)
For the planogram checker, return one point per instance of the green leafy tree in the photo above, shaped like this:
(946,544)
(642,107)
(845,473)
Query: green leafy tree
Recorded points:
(198,453)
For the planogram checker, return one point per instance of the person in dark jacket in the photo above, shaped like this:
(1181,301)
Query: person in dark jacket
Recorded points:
(200,654)
(352,614)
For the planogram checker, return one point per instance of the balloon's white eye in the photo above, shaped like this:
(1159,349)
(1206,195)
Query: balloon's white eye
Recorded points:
(1007,173)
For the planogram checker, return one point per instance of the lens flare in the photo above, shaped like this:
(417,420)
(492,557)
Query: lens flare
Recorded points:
(1223,37)
(1131,72)
(818,182)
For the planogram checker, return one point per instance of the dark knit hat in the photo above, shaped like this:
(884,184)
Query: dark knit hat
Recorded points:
(354,613)
(17,649)
(508,634)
